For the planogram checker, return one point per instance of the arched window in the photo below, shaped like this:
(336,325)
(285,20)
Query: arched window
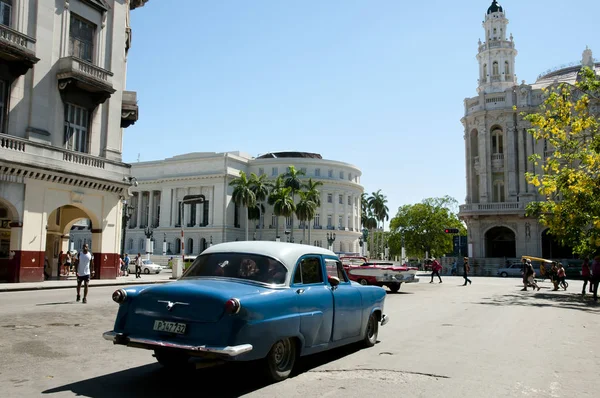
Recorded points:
(506,68)
(177,246)
(495,69)
(141,245)
(130,244)
(498,191)
(497,142)
(190,246)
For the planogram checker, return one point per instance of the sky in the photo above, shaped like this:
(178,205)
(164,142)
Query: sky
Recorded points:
(379,84)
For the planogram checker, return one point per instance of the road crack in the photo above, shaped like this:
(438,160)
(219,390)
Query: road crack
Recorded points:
(372,370)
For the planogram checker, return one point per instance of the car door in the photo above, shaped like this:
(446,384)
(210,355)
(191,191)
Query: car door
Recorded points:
(347,302)
(314,300)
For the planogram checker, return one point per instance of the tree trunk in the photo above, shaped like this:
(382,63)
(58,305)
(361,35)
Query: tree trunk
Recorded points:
(276,227)
(246,222)
(309,235)
(292,219)
(260,220)
(304,232)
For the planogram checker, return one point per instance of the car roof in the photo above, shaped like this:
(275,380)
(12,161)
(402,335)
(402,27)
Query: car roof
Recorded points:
(287,253)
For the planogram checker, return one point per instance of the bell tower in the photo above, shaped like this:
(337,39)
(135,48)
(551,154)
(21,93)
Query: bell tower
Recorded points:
(497,54)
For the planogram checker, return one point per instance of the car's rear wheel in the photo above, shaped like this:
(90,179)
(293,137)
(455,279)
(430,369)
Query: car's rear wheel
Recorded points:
(394,287)
(504,274)
(146,270)
(372,331)
(363,282)
(281,360)
(172,360)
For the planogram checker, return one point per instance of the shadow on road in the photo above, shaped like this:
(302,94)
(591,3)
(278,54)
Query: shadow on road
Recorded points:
(542,299)
(229,380)
(59,303)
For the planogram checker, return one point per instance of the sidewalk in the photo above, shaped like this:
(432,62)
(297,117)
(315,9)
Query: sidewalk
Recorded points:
(71,282)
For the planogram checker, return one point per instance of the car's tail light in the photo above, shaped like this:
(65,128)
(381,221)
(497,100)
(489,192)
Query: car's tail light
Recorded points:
(119,296)
(232,306)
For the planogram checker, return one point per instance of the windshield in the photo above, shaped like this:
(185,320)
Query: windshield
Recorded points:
(250,267)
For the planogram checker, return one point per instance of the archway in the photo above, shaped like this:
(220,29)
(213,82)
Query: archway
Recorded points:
(500,242)
(68,229)
(177,248)
(189,249)
(202,244)
(8,215)
(552,249)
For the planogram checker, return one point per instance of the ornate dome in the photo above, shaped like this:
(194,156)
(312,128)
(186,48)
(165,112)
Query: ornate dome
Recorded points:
(495,7)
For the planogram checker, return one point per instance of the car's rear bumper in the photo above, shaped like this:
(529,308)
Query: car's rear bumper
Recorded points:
(384,319)
(229,351)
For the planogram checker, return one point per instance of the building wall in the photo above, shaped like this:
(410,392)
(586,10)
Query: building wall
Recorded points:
(46,185)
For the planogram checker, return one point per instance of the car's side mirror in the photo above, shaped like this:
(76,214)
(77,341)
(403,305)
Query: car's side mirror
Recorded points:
(333,280)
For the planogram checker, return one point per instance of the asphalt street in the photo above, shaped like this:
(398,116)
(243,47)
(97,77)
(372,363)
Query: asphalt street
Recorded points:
(443,340)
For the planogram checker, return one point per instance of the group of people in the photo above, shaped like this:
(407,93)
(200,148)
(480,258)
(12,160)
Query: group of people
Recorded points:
(558,275)
(125,261)
(436,267)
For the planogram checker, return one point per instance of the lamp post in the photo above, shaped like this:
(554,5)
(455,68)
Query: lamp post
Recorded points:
(127,213)
(164,251)
(210,241)
(148,232)
(330,240)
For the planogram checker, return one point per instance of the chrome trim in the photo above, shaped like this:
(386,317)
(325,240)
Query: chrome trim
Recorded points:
(230,351)
(171,304)
(384,319)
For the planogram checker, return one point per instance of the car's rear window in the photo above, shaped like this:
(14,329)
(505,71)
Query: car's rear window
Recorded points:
(251,267)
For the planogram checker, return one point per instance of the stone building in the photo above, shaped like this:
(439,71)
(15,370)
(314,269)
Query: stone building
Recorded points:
(63,107)
(164,183)
(497,147)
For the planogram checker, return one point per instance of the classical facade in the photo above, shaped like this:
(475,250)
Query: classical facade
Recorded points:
(497,147)
(164,183)
(63,107)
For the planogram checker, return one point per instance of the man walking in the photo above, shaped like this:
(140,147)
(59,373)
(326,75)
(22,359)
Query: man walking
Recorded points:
(435,270)
(466,269)
(84,264)
(138,265)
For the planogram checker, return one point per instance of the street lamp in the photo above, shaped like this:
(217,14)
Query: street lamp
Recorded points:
(330,240)
(127,213)
(148,232)
(210,241)
(164,251)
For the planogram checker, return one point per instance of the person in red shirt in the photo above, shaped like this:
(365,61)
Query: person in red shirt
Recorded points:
(586,275)
(436,267)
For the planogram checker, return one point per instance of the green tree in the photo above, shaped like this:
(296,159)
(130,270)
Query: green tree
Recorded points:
(570,179)
(292,181)
(422,225)
(276,187)
(261,186)
(283,204)
(314,195)
(368,221)
(305,211)
(243,195)
(378,204)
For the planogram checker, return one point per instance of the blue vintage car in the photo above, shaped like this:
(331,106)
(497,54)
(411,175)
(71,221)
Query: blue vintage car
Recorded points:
(247,301)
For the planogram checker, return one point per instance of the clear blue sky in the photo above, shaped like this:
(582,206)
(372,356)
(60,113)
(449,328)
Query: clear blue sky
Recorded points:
(376,83)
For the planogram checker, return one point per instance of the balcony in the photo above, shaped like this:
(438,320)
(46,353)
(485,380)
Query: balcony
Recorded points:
(76,76)
(23,156)
(491,209)
(497,161)
(129,109)
(18,50)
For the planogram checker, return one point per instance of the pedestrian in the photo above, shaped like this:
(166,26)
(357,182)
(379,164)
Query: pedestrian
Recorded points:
(138,265)
(586,275)
(524,271)
(435,270)
(68,263)
(530,277)
(466,269)
(596,276)
(61,261)
(85,262)
(126,260)
(561,277)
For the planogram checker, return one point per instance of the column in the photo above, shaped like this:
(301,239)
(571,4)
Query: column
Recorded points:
(139,209)
(336,199)
(468,165)
(174,207)
(150,207)
(509,162)
(165,216)
(198,214)
(484,164)
(521,158)
(64,42)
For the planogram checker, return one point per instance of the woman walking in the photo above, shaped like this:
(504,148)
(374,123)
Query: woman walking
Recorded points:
(466,269)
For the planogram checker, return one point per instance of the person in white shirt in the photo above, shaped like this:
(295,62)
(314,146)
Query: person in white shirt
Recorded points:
(84,264)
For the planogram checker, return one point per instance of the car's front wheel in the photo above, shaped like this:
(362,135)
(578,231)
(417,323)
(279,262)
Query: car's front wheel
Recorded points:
(146,270)
(281,360)
(172,360)
(363,282)
(504,274)
(372,331)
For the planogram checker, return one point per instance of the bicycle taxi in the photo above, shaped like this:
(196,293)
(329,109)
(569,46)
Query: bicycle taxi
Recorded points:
(548,269)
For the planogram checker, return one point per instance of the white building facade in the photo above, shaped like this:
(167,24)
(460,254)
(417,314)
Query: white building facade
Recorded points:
(497,147)
(63,107)
(164,183)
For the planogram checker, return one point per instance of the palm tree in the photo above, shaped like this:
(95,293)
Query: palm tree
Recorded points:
(305,210)
(377,202)
(260,185)
(314,195)
(292,180)
(283,204)
(243,195)
(276,187)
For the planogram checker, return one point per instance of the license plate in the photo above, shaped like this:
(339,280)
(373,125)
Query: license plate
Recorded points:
(171,327)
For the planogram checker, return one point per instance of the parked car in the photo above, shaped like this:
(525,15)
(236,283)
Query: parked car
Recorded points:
(247,301)
(381,274)
(148,267)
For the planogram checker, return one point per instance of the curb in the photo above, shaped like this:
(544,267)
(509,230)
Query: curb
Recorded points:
(25,289)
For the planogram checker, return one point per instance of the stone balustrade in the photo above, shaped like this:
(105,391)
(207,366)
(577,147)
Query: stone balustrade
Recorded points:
(80,67)
(493,208)
(17,39)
